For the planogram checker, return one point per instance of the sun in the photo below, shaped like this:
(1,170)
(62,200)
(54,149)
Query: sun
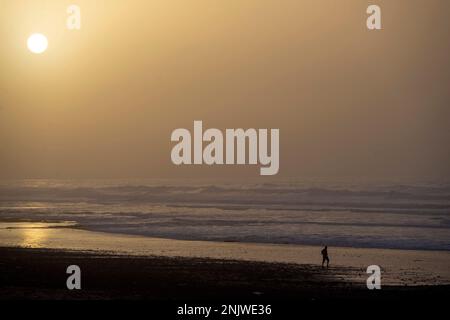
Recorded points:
(37,43)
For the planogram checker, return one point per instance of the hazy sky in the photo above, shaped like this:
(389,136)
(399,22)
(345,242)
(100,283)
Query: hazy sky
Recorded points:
(102,101)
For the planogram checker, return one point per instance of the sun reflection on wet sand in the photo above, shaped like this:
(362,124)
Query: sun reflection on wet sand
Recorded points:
(34,235)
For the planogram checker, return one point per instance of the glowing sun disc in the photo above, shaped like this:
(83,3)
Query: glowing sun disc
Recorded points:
(37,43)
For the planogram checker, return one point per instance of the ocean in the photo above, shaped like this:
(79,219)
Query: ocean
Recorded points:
(311,212)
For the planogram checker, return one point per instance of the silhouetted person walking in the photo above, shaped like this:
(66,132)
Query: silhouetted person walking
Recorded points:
(325,256)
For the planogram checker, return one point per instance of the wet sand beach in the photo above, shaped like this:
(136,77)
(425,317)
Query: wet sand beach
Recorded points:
(40,274)
(34,257)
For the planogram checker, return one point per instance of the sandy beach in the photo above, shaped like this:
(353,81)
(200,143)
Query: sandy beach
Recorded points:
(40,274)
(399,267)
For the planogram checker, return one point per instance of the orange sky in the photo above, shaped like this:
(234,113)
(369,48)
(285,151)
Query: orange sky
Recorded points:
(102,101)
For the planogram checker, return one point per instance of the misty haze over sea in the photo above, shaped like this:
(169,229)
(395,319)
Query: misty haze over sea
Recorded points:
(384,215)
